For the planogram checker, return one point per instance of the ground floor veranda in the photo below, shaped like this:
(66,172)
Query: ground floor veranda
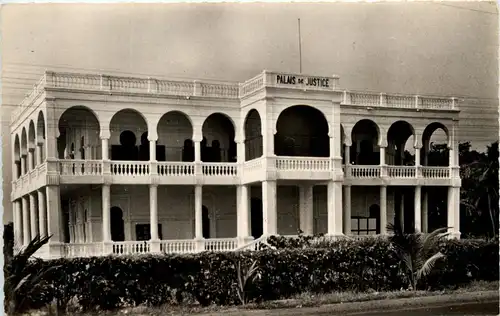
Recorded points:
(98,220)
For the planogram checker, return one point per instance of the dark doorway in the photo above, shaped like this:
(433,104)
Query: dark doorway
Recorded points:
(117,225)
(256,217)
(374,212)
(206,222)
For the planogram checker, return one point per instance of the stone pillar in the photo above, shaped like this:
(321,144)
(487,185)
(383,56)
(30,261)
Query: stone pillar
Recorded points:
(306,209)
(243,214)
(383,210)
(105,148)
(269,207)
(198,209)
(382,155)
(55,222)
(347,210)
(23,164)
(31,158)
(26,221)
(152,150)
(18,223)
(454,212)
(425,211)
(39,153)
(106,213)
(197,151)
(418,209)
(33,215)
(42,214)
(347,155)
(334,208)
(153,214)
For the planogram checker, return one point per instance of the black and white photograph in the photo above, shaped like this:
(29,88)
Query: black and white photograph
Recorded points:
(250,158)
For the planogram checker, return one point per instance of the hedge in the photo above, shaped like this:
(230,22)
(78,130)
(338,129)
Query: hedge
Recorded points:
(210,278)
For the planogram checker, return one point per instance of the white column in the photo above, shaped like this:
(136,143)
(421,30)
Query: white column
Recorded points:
(454,212)
(334,208)
(240,151)
(269,204)
(198,215)
(383,210)
(23,164)
(54,214)
(26,221)
(418,208)
(33,215)
(153,210)
(39,153)
(382,155)
(18,223)
(347,155)
(42,214)
(152,150)
(243,213)
(197,151)
(104,148)
(31,158)
(106,213)
(417,156)
(347,210)
(306,209)
(425,211)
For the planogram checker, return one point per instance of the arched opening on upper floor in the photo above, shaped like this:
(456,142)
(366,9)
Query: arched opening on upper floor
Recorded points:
(128,140)
(17,156)
(31,143)
(400,144)
(302,130)
(435,140)
(175,133)
(365,137)
(218,139)
(253,135)
(24,148)
(76,124)
(40,133)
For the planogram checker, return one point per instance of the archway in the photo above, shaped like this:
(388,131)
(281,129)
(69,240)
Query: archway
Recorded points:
(31,144)
(205,222)
(256,217)
(302,131)
(253,135)
(175,132)
(126,127)
(400,144)
(117,224)
(365,135)
(24,149)
(218,131)
(75,123)
(435,140)
(40,134)
(17,156)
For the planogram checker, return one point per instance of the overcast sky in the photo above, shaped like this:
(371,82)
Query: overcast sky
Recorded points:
(418,48)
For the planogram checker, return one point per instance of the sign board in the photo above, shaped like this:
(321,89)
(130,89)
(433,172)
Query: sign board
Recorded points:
(304,81)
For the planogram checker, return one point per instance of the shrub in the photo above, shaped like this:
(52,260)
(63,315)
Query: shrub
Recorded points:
(212,278)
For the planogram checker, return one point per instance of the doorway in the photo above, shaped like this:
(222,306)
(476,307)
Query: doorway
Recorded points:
(117,224)
(256,217)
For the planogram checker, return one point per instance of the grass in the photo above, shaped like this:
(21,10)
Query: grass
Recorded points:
(299,301)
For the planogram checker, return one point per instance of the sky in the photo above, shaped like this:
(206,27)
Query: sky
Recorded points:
(446,48)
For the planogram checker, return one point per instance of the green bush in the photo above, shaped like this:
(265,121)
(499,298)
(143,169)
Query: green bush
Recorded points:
(211,278)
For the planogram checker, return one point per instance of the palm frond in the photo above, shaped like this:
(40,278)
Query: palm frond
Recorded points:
(429,265)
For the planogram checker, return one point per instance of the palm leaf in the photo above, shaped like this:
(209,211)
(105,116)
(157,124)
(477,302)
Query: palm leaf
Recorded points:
(428,265)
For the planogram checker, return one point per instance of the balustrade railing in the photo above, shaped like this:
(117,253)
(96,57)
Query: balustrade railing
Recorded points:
(173,169)
(436,172)
(302,164)
(178,246)
(364,172)
(80,167)
(130,168)
(221,244)
(401,171)
(130,247)
(398,101)
(219,169)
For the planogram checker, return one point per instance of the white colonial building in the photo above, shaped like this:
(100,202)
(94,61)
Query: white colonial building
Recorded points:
(118,165)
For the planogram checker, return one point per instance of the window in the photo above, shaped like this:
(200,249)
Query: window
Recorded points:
(363,226)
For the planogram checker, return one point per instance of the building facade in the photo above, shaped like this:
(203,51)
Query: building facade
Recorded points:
(110,164)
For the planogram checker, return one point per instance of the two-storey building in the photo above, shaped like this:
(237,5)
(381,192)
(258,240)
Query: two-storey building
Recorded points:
(118,165)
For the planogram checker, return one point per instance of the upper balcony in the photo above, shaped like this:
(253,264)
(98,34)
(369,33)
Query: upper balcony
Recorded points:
(77,82)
